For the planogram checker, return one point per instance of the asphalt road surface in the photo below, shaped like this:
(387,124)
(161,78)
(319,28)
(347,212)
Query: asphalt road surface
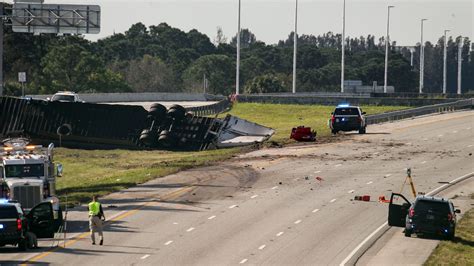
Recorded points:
(267,207)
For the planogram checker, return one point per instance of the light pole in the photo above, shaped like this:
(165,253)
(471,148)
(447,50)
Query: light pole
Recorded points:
(422,57)
(444,61)
(387,41)
(459,63)
(295,35)
(237,74)
(343,44)
(1,49)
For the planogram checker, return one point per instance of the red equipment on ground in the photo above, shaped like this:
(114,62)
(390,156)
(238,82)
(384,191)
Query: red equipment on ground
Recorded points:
(303,133)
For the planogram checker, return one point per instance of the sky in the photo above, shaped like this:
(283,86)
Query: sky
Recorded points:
(273,20)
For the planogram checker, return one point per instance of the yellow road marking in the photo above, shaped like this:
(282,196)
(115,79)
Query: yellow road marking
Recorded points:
(168,196)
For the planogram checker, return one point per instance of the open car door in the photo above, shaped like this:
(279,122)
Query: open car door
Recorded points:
(41,220)
(398,210)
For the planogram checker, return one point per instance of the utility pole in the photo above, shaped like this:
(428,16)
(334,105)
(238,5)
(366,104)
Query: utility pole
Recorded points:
(1,48)
(237,74)
(444,61)
(295,47)
(422,57)
(460,63)
(343,51)
(387,43)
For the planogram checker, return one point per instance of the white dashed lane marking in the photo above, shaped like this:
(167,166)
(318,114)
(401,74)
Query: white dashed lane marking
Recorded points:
(337,165)
(439,136)
(470,146)
(233,206)
(279,234)
(254,196)
(333,200)
(243,261)
(144,257)
(455,131)
(317,172)
(190,229)
(370,182)
(376,153)
(315,210)
(388,175)
(423,162)
(212,217)
(275,187)
(169,242)
(350,191)
(297,222)
(262,247)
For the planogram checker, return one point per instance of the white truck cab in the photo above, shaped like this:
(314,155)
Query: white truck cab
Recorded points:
(65,96)
(27,173)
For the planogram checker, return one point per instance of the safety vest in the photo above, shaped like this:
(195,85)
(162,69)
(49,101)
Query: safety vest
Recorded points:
(94,208)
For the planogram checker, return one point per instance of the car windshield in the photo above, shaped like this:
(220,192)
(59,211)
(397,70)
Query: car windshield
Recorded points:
(24,170)
(346,111)
(8,212)
(66,98)
(431,206)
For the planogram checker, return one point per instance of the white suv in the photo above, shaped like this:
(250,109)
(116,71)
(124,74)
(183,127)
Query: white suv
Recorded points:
(65,96)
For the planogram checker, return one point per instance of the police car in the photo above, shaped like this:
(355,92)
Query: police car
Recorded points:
(347,118)
(65,96)
(14,226)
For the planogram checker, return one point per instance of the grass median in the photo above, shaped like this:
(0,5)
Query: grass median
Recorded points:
(460,251)
(100,172)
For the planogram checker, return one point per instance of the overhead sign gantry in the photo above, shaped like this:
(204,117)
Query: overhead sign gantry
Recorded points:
(33,16)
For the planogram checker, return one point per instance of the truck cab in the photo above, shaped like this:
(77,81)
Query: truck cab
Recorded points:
(27,174)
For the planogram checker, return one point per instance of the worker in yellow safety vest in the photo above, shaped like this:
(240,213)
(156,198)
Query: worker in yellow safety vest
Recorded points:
(96,218)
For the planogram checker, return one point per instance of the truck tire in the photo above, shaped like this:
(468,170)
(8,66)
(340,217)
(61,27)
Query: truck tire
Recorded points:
(158,111)
(166,139)
(148,137)
(177,113)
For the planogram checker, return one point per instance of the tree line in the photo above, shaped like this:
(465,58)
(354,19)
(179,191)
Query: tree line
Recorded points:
(161,58)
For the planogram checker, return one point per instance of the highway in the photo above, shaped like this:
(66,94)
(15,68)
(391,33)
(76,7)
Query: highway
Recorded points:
(266,207)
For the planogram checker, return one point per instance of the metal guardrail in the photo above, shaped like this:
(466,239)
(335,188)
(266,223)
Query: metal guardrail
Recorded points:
(212,109)
(424,110)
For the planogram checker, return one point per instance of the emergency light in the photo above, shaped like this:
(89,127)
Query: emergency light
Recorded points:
(343,105)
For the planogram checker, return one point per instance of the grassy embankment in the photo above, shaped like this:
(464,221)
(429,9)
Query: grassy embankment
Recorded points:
(460,251)
(101,172)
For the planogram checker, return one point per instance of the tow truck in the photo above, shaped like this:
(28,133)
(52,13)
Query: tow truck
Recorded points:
(28,176)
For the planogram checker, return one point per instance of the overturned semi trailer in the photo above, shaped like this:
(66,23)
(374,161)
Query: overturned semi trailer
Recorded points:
(97,126)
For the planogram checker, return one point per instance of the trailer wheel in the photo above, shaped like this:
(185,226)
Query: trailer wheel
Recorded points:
(148,137)
(166,139)
(158,111)
(177,113)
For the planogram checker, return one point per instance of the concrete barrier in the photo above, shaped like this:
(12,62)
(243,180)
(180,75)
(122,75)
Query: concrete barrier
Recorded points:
(140,97)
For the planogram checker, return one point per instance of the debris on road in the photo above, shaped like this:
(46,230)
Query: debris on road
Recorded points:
(302,133)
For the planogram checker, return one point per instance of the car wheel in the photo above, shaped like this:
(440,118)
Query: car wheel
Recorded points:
(22,245)
(362,130)
(407,233)
(31,240)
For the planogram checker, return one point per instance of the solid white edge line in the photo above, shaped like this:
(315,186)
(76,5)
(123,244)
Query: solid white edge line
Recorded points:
(386,223)
(146,256)
(243,261)
(362,243)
